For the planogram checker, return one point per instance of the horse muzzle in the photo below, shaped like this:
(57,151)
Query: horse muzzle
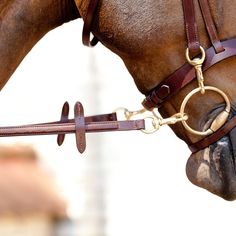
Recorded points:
(213,168)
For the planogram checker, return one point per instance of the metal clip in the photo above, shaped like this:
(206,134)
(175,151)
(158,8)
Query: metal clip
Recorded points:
(178,117)
(153,119)
(157,121)
(150,118)
(128,115)
(197,64)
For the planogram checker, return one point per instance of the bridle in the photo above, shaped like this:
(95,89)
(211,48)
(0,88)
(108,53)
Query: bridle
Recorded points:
(194,68)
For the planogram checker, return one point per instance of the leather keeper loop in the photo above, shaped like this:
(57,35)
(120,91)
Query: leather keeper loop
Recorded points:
(64,119)
(80,127)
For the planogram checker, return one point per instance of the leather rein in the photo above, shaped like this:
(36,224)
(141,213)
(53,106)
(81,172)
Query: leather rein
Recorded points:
(81,124)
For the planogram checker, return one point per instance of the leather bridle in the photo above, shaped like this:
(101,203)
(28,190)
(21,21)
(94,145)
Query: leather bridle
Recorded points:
(170,86)
(80,125)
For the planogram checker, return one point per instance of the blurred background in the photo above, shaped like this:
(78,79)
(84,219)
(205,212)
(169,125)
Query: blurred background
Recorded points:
(125,184)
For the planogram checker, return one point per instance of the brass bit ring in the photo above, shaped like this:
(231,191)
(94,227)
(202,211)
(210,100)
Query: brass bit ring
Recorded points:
(218,122)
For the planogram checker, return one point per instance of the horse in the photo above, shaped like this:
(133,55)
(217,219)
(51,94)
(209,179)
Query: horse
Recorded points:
(149,36)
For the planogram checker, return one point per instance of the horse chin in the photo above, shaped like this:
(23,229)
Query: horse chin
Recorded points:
(214,167)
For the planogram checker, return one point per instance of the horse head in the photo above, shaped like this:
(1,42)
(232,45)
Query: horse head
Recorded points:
(150,38)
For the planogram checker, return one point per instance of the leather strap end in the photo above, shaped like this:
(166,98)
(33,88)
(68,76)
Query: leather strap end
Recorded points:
(80,129)
(64,119)
(88,24)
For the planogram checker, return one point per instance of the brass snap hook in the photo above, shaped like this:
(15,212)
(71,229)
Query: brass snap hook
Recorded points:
(197,64)
(152,120)
(218,122)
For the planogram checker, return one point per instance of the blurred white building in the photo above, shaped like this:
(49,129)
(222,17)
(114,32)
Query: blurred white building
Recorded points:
(29,201)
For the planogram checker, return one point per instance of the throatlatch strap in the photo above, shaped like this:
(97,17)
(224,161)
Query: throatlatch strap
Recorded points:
(88,24)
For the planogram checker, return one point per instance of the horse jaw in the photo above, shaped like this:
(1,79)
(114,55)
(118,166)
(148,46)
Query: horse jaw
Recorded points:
(214,167)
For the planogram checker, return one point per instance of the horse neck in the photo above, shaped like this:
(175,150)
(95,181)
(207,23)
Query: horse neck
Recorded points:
(23,24)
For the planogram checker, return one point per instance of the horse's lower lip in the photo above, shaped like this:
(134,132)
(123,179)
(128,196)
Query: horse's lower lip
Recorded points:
(214,167)
(223,159)
(232,137)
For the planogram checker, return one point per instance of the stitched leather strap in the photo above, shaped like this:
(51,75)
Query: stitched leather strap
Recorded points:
(91,119)
(205,142)
(88,21)
(184,75)
(191,27)
(210,26)
(79,125)
(218,52)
